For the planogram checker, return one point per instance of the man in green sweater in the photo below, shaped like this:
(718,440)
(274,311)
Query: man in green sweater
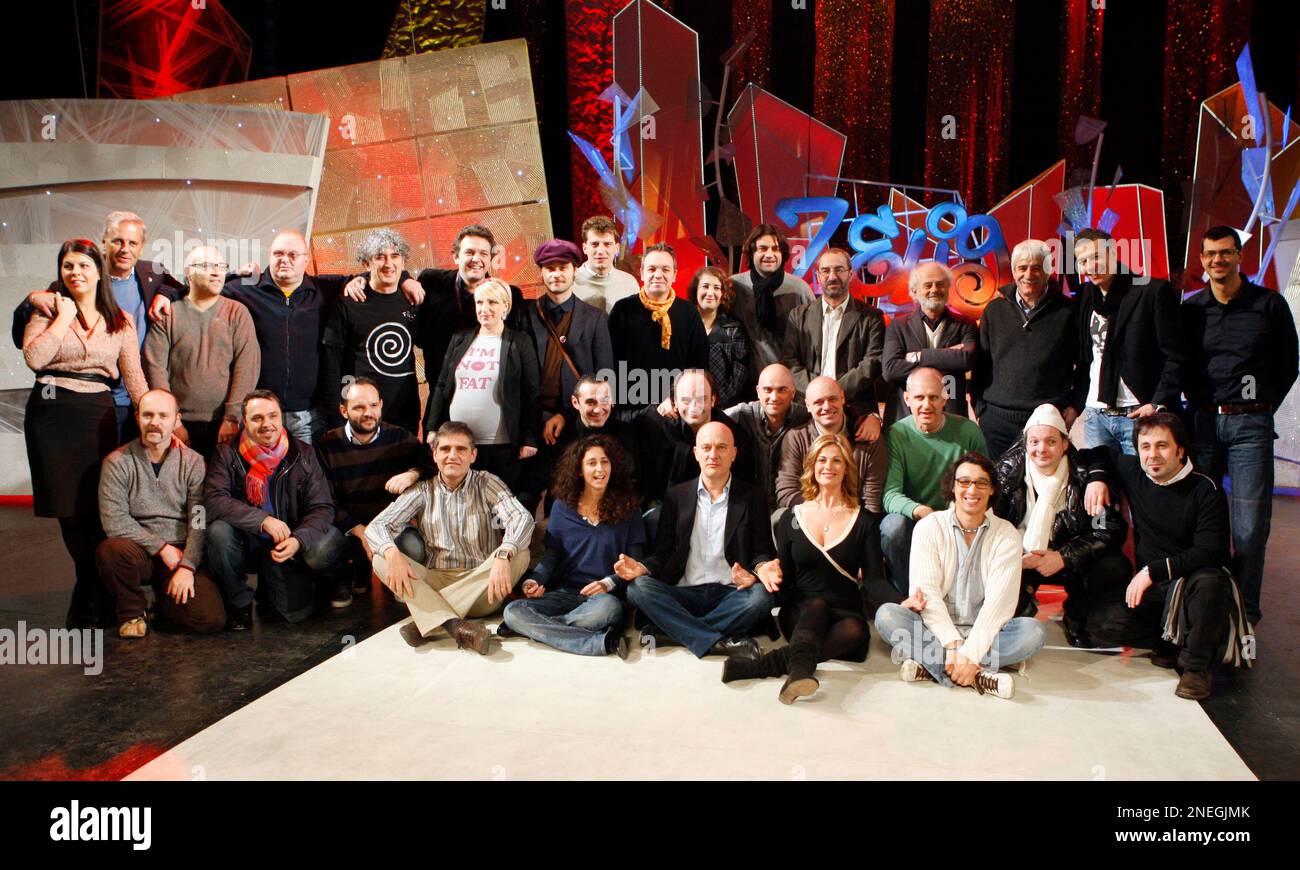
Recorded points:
(921,448)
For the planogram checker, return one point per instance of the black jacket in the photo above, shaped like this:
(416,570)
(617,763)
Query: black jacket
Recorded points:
(1078,537)
(587,343)
(152,278)
(1258,351)
(858,348)
(516,389)
(1026,362)
(906,334)
(748,530)
(447,309)
(730,362)
(1144,337)
(300,492)
(668,452)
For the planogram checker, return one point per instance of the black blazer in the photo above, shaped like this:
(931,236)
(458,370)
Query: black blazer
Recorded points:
(748,530)
(516,390)
(152,278)
(906,334)
(447,309)
(587,343)
(1145,337)
(858,348)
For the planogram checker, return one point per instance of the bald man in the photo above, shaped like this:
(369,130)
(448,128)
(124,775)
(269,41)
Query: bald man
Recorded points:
(921,448)
(150,494)
(933,335)
(768,419)
(712,574)
(826,405)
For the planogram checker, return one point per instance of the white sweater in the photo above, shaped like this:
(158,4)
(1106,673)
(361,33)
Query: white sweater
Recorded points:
(934,570)
(604,292)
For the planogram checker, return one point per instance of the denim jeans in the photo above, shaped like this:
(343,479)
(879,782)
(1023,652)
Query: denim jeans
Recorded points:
(568,621)
(286,586)
(1241,445)
(896,544)
(1103,430)
(306,426)
(905,631)
(699,616)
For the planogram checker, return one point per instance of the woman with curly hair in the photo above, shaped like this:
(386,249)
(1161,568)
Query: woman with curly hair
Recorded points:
(730,357)
(573,599)
(829,549)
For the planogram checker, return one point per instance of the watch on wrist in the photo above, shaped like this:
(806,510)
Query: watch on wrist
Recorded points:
(502,554)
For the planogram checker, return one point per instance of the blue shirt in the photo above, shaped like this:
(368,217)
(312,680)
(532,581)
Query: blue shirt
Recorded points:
(127,293)
(578,552)
(707,562)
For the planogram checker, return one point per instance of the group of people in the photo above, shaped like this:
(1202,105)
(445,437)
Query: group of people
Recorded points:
(188,432)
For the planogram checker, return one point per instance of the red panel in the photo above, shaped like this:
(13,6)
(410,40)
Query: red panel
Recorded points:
(1141,211)
(156,48)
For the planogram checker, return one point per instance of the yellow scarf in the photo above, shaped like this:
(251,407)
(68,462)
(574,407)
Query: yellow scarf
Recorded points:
(659,314)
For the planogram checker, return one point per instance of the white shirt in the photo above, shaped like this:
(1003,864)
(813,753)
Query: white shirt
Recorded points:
(1124,397)
(831,318)
(707,563)
(474,403)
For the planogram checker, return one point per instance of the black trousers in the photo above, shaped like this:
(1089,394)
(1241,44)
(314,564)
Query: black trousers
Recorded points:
(203,436)
(1002,427)
(1089,593)
(501,460)
(1206,605)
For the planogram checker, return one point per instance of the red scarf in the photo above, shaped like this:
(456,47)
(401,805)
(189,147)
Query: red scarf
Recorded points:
(262,462)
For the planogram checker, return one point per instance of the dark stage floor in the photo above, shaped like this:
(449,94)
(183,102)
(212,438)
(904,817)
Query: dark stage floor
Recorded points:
(61,723)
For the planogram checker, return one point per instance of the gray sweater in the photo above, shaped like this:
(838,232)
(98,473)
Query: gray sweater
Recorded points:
(209,359)
(154,510)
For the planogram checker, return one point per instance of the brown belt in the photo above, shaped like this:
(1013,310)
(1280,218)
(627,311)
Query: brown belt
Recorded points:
(1252,408)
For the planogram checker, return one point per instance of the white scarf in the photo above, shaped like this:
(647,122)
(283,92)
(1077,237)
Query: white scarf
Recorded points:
(1045,495)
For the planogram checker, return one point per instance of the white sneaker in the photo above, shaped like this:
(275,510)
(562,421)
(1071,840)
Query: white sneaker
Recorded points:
(992,683)
(912,672)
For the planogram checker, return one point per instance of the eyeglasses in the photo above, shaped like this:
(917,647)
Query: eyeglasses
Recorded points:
(1218,255)
(291,256)
(977,485)
(212,267)
(838,270)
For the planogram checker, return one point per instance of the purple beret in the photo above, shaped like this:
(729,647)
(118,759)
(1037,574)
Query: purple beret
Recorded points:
(558,251)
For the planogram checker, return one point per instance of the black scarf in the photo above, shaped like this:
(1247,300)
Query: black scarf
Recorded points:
(1107,305)
(765,298)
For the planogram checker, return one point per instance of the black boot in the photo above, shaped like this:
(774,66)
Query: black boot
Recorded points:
(803,664)
(774,664)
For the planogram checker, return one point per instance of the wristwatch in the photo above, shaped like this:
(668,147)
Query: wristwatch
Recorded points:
(502,553)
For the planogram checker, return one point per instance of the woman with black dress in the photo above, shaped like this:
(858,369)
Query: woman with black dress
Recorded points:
(71,423)
(828,547)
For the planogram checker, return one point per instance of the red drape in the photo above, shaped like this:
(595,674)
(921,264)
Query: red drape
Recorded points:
(590,48)
(1080,74)
(756,66)
(852,80)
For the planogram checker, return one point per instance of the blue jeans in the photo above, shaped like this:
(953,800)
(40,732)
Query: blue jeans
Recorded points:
(568,621)
(896,544)
(904,630)
(1102,430)
(286,586)
(306,426)
(1241,445)
(699,616)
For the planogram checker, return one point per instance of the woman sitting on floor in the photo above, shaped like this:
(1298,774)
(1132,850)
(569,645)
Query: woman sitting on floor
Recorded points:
(573,598)
(828,546)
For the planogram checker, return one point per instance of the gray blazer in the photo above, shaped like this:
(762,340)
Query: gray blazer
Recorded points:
(858,349)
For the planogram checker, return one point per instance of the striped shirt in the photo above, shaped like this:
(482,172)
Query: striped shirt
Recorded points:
(461,527)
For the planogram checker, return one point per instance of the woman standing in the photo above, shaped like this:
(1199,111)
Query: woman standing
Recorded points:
(829,547)
(490,382)
(573,598)
(729,348)
(71,424)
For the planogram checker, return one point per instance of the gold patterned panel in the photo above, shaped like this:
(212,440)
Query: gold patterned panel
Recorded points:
(459,89)
(433,25)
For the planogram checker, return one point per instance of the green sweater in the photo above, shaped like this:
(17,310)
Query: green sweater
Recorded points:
(917,461)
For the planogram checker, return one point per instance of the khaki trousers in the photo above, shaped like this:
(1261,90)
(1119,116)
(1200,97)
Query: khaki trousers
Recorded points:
(451,594)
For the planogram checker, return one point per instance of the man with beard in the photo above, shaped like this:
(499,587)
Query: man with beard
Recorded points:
(768,420)
(933,336)
(368,464)
(767,294)
(150,493)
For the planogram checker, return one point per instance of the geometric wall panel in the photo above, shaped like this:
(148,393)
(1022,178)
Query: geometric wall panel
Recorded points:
(370,185)
(483,168)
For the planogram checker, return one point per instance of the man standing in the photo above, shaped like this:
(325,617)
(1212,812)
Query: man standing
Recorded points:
(767,294)
(921,448)
(1029,352)
(712,573)
(368,463)
(655,335)
(768,419)
(838,338)
(598,282)
(375,338)
(475,534)
(1183,593)
(269,508)
(1133,345)
(934,336)
(830,415)
(204,351)
(1243,341)
(572,340)
(150,494)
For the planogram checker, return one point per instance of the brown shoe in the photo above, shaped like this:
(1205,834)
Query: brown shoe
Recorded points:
(1194,686)
(473,634)
(134,628)
(411,634)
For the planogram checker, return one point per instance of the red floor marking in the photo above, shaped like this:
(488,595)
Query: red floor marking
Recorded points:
(53,767)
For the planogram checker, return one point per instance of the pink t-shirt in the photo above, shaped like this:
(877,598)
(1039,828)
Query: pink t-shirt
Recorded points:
(475,401)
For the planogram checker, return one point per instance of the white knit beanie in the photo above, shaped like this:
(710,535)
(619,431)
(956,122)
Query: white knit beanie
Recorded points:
(1047,415)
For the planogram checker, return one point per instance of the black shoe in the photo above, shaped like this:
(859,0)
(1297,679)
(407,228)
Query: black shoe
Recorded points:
(1165,655)
(361,585)
(1076,634)
(267,614)
(741,647)
(412,635)
(341,596)
(616,642)
(504,630)
(239,618)
(774,664)
(803,664)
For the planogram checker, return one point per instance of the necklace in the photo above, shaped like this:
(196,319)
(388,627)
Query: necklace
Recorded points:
(830,512)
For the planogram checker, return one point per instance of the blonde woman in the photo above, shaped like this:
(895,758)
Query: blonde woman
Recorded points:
(829,548)
(489,381)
